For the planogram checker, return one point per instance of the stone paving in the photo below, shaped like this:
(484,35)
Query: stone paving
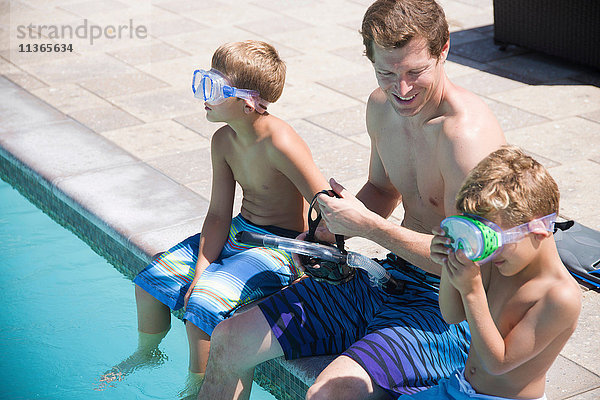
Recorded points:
(113,126)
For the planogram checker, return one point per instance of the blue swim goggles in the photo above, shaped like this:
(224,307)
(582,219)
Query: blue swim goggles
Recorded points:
(481,239)
(213,88)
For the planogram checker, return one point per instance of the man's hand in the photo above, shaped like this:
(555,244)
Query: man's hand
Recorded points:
(463,273)
(322,234)
(346,215)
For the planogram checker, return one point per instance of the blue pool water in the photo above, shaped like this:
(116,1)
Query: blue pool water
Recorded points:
(68,316)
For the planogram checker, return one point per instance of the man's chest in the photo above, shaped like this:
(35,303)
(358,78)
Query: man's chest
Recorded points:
(412,167)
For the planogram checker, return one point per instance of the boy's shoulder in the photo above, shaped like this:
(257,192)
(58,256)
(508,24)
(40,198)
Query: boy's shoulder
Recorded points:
(223,133)
(561,298)
(281,134)
(222,138)
(565,294)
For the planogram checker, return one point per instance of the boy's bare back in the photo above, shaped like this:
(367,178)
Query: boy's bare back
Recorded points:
(269,163)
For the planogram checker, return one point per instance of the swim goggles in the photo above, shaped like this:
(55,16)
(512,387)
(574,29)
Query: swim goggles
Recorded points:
(481,239)
(212,87)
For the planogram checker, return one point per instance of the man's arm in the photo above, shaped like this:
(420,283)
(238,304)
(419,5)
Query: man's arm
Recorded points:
(350,217)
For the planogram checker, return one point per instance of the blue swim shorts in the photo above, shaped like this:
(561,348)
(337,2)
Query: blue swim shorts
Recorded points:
(401,340)
(242,274)
(455,387)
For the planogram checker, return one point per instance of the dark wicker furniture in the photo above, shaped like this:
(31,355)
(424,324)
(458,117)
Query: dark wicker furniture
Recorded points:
(565,28)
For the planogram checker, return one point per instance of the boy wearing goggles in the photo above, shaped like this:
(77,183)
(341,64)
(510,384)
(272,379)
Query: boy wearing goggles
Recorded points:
(211,275)
(522,304)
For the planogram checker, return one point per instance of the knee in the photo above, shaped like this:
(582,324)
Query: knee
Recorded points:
(322,391)
(338,388)
(141,294)
(147,302)
(224,343)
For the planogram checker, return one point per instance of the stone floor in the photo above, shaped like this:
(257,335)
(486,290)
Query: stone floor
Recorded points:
(112,126)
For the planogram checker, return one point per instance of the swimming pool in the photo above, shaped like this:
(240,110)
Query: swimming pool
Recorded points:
(69,316)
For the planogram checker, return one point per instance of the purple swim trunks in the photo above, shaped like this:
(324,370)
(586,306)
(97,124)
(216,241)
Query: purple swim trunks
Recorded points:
(401,340)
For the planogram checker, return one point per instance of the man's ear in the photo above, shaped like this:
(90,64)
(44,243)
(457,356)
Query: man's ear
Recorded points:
(445,50)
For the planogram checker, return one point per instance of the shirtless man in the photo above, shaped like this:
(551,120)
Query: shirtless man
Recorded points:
(426,134)
(211,274)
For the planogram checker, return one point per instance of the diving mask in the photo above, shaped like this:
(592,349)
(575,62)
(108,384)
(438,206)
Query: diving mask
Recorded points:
(481,239)
(212,87)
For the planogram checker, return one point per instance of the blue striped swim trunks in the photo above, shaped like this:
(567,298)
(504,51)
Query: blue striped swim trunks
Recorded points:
(401,340)
(241,275)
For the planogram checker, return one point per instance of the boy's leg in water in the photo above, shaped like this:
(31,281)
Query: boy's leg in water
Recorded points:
(153,316)
(232,358)
(154,321)
(199,343)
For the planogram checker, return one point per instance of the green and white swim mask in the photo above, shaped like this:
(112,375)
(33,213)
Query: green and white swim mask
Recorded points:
(481,239)
(212,87)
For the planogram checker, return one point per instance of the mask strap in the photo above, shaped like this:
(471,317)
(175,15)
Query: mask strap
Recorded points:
(253,96)
(545,223)
(517,233)
(260,105)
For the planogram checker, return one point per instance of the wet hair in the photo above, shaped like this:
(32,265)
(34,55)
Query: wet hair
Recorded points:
(511,183)
(252,65)
(393,23)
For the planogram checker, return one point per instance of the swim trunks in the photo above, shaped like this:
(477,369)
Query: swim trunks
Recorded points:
(401,340)
(242,274)
(454,387)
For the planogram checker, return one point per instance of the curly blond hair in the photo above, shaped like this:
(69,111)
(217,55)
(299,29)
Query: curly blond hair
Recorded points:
(511,182)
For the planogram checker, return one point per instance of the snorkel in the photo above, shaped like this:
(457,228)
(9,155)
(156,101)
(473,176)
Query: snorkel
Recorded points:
(378,276)
(481,239)
(323,261)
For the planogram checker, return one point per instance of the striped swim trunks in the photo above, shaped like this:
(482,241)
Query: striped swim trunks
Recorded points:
(401,340)
(242,274)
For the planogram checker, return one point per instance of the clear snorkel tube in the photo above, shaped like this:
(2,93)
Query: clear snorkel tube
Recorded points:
(378,275)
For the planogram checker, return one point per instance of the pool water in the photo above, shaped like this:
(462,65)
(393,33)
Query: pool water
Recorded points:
(68,316)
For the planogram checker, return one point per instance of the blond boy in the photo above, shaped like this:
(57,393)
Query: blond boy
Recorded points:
(211,274)
(523,305)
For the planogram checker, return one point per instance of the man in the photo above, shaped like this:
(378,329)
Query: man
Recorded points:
(426,134)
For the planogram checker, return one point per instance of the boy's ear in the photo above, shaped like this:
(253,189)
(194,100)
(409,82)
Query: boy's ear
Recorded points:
(539,230)
(541,234)
(248,107)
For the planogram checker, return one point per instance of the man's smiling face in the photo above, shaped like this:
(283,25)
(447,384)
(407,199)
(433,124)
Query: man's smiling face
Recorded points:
(409,76)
